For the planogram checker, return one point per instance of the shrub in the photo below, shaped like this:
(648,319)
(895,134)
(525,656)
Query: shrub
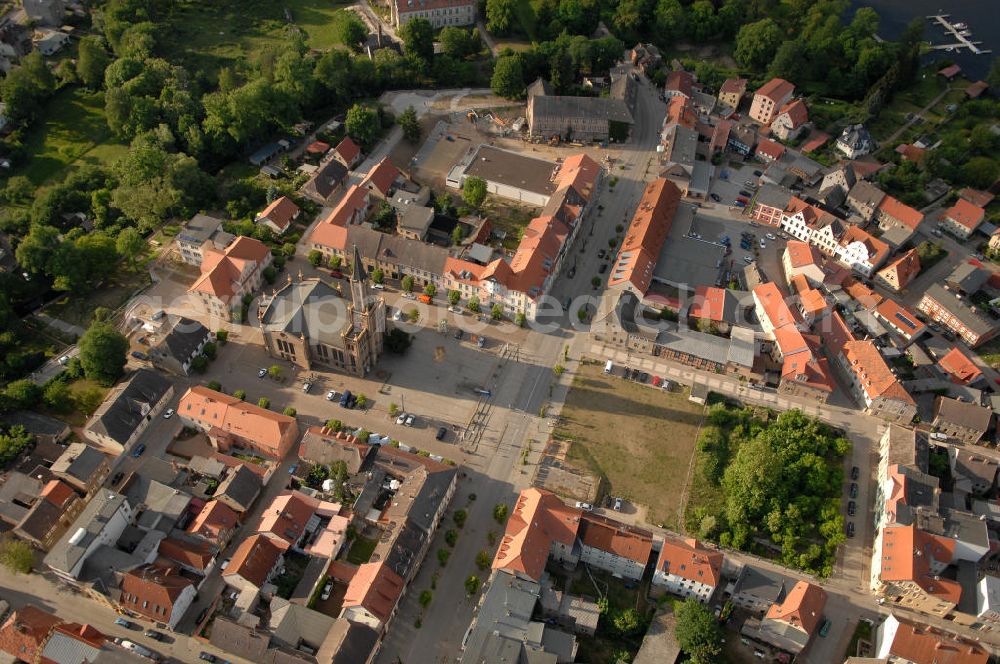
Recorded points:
(459,517)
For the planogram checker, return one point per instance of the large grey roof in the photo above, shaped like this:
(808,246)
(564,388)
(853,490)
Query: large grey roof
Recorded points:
(763,584)
(960,309)
(184,338)
(241,485)
(311,308)
(968,277)
(397,249)
(602,108)
(773,196)
(968,415)
(238,639)
(34,423)
(699,344)
(80,461)
(200,228)
(326,179)
(354,642)
(119,417)
(501,625)
(65,556)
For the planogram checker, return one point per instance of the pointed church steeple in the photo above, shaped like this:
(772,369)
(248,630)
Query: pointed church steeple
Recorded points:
(360,295)
(358,271)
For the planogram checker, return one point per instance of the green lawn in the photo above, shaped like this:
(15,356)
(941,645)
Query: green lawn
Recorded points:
(70,131)
(215,34)
(79,309)
(361,550)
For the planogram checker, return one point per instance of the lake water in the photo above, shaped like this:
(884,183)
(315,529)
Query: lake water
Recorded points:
(981,16)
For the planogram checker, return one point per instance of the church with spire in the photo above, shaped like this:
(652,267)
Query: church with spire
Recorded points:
(310,323)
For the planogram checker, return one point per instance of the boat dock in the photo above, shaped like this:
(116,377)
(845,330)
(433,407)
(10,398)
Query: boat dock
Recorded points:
(955,30)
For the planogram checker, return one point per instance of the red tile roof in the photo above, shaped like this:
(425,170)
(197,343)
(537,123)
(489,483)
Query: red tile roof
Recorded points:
(680,111)
(354,202)
(911,152)
(815,141)
(802,607)
(976,197)
(877,249)
(772,301)
(645,235)
(837,333)
(901,317)
(376,588)
(906,556)
(959,367)
(280,212)
(872,373)
(690,560)
(905,268)
(254,558)
(618,538)
(213,519)
(922,645)
(539,518)
(318,147)
(194,554)
(865,296)
(901,212)
(966,214)
(348,150)
(776,89)
(534,259)
(287,515)
(270,431)
(801,254)
(737,85)
(58,493)
(709,302)
(950,71)
(679,81)
(797,112)
(221,270)
(580,172)
(151,591)
(770,149)
(976,89)
(382,176)
(24,633)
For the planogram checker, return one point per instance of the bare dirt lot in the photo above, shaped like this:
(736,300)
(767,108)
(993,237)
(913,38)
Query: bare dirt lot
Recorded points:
(639,438)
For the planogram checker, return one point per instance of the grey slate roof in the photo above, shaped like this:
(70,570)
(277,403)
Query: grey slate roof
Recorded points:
(65,556)
(763,584)
(968,277)
(353,642)
(967,415)
(80,461)
(326,179)
(39,425)
(120,417)
(603,108)
(398,250)
(773,196)
(184,338)
(241,486)
(971,318)
(238,640)
(311,308)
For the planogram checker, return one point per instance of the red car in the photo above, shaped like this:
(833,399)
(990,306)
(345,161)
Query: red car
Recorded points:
(743,200)
(336,274)
(657,381)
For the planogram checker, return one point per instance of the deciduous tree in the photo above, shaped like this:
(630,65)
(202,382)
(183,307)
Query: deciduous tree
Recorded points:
(102,353)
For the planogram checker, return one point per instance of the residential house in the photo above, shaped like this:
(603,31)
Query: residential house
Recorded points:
(25,631)
(82,467)
(768,150)
(861,251)
(769,99)
(287,517)
(891,213)
(946,307)
(741,140)
(42,427)
(688,569)
(175,351)
(789,624)
(976,197)
(802,258)
(865,200)
(157,593)
(903,641)
(279,215)
(216,522)
(196,235)
(324,184)
(679,84)
(228,275)
(644,238)
(256,561)
(836,184)
(373,595)
(855,141)
(347,152)
(48,41)
(381,179)
(615,547)
(872,383)
(46,12)
(967,278)
(540,526)
(995,241)
(713,308)
(967,422)
(963,218)
(128,409)
(231,422)
(988,603)
(757,589)
(790,120)
(323,446)
(971,471)
(440,13)
(582,119)
(959,368)
(732,91)
(239,489)
(50,515)
(769,205)
(897,275)
(900,320)
(101,522)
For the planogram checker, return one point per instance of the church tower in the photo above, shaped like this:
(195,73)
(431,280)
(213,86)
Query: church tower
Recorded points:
(360,293)
(364,335)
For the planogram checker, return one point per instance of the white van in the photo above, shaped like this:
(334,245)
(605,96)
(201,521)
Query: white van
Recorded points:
(608,367)
(938,436)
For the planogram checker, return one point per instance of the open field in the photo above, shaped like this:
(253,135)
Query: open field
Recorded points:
(638,438)
(70,131)
(215,34)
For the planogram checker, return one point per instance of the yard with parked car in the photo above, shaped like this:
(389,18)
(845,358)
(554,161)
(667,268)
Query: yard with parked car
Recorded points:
(638,438)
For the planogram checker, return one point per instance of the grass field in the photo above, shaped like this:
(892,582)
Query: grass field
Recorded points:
(361,550)
(70,131)
(215,34)
(639,439)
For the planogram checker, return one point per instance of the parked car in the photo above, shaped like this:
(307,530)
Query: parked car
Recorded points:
(601,253)
(410,419)
(168,413)
(345,398)
(644,377)
(138,450)
(455,310)
(854,490)
(747,259)
(763,245)
(770,236)
(441,432)
(851,508)
(586,507)
(744,192)
(740,204)
(327,589)
(824,629)
(401,419)
(331,395)
(397,315)
(618,505)
(153,634)
(850,529)
(855,472)
(117,478)
(604,268)
(127,624)
(458,334)
(336,274)
(261,373)
(207,656)
(715,197)
(139,355)
(306,387)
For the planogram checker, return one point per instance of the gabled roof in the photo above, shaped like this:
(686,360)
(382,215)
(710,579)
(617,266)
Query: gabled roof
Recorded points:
(221,269)
(962,413)
(287,515)
(348,150)
(381,176)
(690,560)
(801,254)
(231,415)
(872,373)
(616,538)
(679,81)
(280,212)
(213,518)
(900,317)
(802,607)
(777,89)
(734,85)
(355,200)
(645,235)
(25,631)
(976,197)
(959,367)
(325,446)
(128,405)
(539,517)
(966,214)
(905,268)
(907,552)
(865,296)
(194,553)
(579,172)
(254,558)
(151,591)
(240,486)
(711,303)
(770,149)
(922,645)
(772,301)
(877,249)
(797,112)
(901,212)
(376,588)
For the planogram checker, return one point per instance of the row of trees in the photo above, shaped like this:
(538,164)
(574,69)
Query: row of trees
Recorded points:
(559,61)
(780,481)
